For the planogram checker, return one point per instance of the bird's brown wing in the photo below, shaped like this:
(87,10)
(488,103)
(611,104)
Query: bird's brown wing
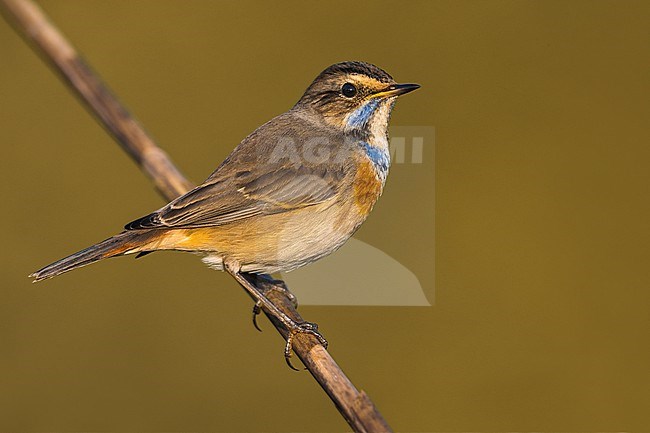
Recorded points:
(237,194)
(260,177)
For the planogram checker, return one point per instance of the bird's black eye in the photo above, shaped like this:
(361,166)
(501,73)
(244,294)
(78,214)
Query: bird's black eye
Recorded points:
(348,90)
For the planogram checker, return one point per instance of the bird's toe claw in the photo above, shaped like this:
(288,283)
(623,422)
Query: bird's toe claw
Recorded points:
(257,309)
(302,328)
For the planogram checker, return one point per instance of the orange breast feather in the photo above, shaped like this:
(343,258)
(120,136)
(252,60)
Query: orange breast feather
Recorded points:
(367,187)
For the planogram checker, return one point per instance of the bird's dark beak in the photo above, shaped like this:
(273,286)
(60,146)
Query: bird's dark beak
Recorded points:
(396,90)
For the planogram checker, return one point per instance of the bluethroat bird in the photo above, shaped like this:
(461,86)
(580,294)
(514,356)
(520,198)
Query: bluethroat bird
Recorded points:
(290,193)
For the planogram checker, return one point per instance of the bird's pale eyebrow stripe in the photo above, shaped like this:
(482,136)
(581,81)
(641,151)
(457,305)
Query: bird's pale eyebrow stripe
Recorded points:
(360,117)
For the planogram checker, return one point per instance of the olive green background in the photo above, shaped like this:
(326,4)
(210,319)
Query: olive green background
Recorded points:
(541,317)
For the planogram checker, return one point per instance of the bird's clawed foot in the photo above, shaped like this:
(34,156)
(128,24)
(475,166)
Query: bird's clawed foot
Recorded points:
(262,301)
(301,328)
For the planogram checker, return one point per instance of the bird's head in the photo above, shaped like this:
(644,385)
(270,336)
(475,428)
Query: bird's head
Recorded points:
(353,96)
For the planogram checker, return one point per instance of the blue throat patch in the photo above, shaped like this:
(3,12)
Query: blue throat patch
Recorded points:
(380,158)
(360,117)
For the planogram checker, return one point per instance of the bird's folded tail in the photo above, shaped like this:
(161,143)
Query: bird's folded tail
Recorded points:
(123,243)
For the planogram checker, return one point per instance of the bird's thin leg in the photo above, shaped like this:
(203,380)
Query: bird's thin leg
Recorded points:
(262,300)
(281,288)
(292,326)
